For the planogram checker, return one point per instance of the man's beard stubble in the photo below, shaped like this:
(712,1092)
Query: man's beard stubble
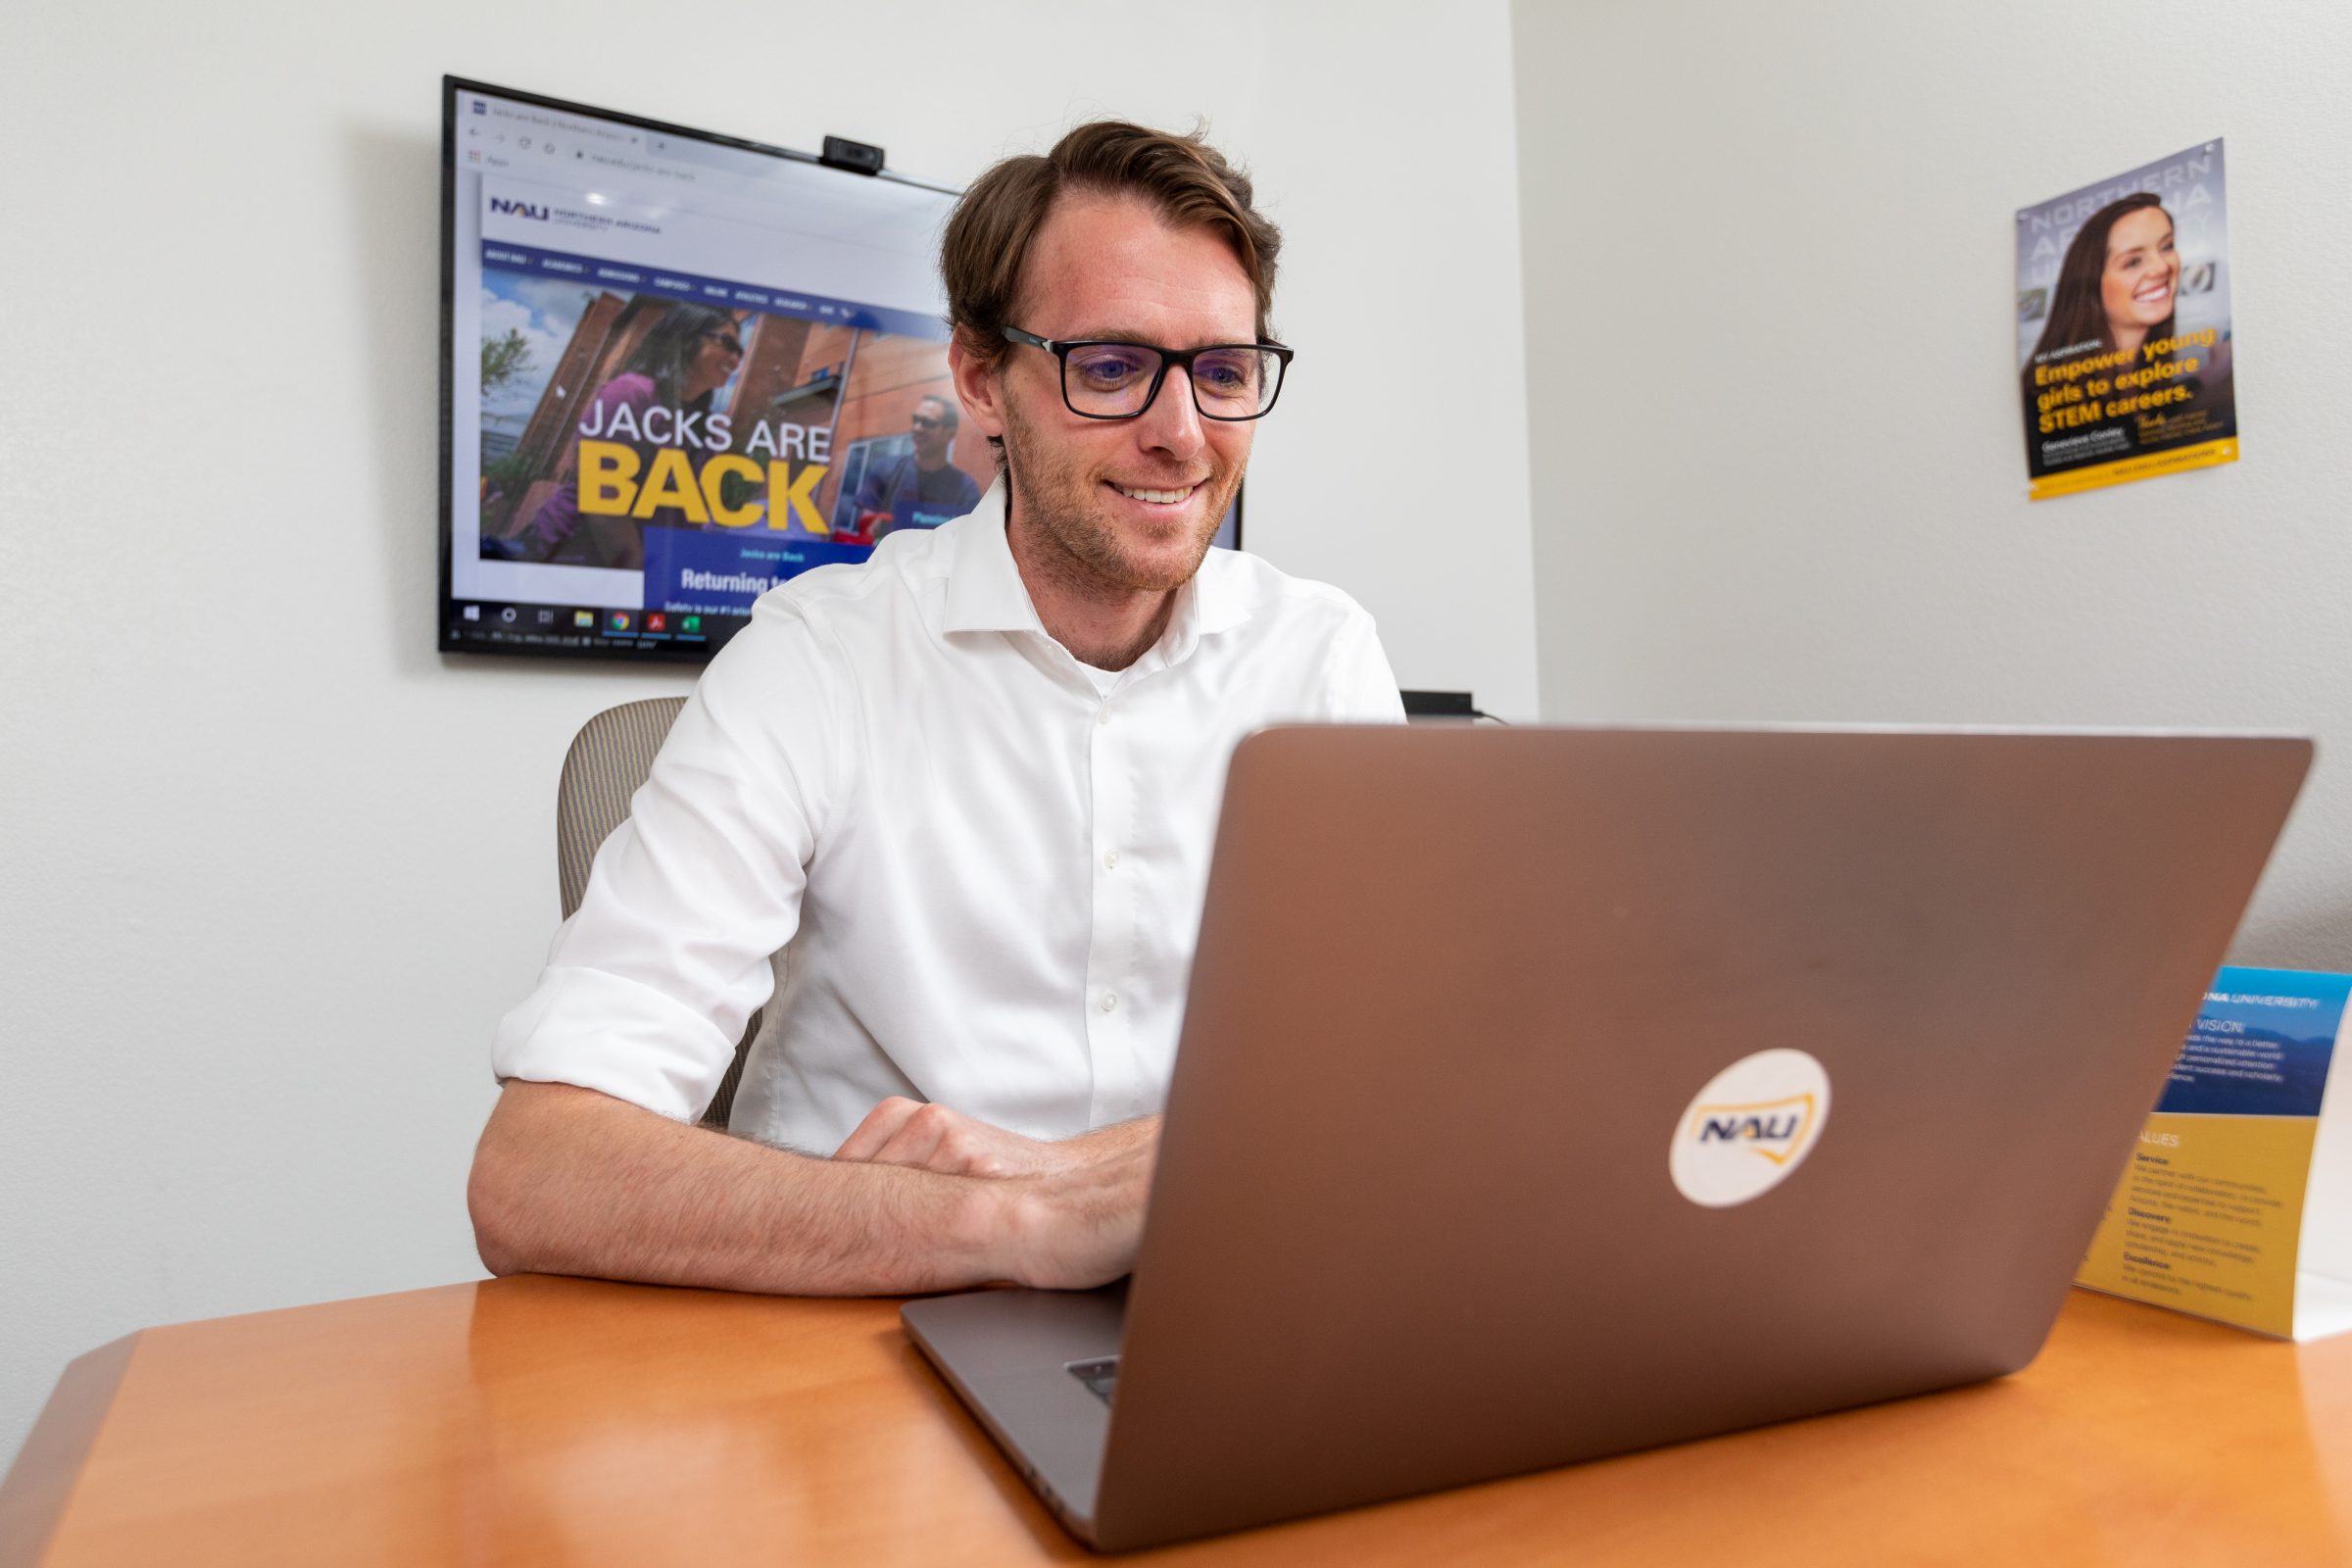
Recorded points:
(1088,552)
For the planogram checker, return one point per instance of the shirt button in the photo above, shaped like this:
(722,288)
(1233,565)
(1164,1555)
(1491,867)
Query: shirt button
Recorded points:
(1110,859)
(1102,716)
(1110,1000)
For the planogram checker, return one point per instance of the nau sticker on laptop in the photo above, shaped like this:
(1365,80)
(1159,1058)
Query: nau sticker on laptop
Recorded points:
(1749,1128)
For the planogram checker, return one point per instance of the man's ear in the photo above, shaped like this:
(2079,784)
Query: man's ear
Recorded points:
(976,388)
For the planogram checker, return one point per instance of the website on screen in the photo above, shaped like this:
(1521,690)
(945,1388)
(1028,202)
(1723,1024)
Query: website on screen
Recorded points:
(701,372)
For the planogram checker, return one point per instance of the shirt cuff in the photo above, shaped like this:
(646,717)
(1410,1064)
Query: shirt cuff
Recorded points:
(616,1036)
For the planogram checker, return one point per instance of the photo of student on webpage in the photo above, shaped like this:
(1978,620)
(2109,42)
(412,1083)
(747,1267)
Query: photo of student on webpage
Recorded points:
(689,353)
(919,488)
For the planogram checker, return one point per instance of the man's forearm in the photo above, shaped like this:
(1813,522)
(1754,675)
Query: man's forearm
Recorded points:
(568,1181)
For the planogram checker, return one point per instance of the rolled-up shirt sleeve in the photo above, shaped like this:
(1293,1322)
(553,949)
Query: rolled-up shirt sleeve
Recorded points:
(649,985)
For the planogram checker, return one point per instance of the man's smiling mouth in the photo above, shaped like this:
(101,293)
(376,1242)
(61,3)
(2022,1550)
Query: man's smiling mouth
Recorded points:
(1160,497)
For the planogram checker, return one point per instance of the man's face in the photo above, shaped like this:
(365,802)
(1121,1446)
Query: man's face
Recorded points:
(932,433)
(1134,501)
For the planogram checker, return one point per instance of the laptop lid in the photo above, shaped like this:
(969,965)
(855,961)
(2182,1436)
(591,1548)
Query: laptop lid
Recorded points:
(1460,994)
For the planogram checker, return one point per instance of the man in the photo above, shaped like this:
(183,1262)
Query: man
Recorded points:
(922,489)
(946,815)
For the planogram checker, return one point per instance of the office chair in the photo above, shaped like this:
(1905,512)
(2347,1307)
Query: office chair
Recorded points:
(609,758)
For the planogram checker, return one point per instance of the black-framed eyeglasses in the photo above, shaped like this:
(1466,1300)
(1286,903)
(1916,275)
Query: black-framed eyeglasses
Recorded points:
(725,339)
(928,421)
(1103,379)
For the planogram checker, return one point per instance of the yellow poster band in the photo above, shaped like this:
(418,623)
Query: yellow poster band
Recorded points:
(2099,475)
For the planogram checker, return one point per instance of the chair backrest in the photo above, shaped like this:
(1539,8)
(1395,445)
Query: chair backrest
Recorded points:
(609,758)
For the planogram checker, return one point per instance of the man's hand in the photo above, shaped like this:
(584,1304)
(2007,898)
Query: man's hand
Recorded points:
(1073,1209)
(911,1132)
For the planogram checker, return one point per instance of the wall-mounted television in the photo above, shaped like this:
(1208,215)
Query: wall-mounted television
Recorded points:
(677,368)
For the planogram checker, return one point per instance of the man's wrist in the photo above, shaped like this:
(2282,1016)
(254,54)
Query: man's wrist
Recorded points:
(1118,1138)
(994,1222)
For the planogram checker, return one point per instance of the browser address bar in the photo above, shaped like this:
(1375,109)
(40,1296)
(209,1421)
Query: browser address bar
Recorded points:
(686,150)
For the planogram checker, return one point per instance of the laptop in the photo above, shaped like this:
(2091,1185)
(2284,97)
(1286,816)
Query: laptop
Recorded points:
(1550,1093)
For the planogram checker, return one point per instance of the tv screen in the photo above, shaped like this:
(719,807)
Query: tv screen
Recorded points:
(677,368)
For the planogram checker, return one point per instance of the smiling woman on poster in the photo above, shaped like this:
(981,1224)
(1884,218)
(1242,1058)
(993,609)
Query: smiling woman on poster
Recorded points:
(2115,295)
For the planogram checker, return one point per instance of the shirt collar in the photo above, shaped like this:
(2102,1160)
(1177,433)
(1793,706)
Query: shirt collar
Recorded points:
(984,591)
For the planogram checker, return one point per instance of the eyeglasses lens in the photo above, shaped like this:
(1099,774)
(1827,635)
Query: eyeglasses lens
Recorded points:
(1236,383)
(1109,378)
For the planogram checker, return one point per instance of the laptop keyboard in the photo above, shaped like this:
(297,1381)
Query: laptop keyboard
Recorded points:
(1100,1375)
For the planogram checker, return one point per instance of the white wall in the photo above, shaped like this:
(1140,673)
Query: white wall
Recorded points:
(270,867)
(1776,451)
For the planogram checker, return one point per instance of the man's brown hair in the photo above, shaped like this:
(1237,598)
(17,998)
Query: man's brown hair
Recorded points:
(1187,181)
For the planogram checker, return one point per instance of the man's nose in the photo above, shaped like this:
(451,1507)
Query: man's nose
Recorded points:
(1172,423)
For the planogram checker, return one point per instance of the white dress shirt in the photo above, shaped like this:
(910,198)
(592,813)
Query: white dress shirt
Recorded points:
(966,867)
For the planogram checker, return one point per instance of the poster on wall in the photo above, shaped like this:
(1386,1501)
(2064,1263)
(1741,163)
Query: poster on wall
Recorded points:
(2122,327)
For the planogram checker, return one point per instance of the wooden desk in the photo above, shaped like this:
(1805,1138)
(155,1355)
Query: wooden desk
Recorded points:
(563,1421)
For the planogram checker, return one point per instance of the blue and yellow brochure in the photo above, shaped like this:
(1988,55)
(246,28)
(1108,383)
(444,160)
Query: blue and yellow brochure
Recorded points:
(2210,1216)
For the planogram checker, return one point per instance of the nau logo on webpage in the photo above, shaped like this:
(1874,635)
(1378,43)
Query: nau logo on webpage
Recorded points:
(1749,1128)
(499,203)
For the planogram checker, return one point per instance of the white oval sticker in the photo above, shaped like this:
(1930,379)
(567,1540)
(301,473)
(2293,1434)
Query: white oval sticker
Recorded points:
(1751,1126)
